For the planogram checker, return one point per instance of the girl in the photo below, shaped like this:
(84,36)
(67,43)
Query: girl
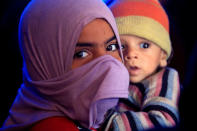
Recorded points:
(71,66)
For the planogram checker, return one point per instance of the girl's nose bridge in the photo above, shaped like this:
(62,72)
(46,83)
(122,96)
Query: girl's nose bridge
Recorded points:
(100,51)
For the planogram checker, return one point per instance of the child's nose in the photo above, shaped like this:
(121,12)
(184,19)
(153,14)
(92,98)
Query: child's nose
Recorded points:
(131,55)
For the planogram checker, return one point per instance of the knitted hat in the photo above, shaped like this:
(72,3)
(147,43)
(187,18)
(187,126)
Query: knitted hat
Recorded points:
(143,18)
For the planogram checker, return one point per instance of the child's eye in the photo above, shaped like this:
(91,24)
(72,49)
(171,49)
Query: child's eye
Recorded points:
(112,47)
(123,46)
(144,45)
(81,54)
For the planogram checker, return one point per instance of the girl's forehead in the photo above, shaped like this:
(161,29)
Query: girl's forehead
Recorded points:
(96,36)
(96,27)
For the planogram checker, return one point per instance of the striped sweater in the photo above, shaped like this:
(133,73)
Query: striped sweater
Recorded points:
(151,104)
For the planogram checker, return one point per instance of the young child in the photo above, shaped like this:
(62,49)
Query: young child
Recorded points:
(154,88)
(72,63)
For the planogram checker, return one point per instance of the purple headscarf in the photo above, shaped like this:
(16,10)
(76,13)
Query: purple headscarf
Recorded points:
(48,33)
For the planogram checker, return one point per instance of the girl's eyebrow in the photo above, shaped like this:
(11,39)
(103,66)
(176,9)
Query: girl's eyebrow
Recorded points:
(110,39)
(84,44)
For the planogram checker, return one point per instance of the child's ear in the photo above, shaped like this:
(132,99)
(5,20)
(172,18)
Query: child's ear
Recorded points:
(163,59)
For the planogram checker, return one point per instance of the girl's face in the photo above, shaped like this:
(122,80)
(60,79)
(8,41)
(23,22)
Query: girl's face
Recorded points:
(96,39)
(142,57)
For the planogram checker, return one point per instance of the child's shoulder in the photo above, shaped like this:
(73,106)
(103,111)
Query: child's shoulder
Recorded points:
(171,70)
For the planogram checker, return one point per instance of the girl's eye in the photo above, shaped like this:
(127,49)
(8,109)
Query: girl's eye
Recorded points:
(144,45)
(81,54)
(112,47)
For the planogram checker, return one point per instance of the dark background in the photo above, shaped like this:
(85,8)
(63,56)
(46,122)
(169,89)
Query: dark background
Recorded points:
(11,60)
(183,31)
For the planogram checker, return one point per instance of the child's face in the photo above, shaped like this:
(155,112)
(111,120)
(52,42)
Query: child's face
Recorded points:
(142,57)
(96,39)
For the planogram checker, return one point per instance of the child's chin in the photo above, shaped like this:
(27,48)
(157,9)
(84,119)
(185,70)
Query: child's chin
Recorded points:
(135,80)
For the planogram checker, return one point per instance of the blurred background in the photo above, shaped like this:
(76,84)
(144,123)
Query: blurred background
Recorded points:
(183,31)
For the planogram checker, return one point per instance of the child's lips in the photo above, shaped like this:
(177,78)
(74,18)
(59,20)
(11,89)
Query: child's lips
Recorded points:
(134,70)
